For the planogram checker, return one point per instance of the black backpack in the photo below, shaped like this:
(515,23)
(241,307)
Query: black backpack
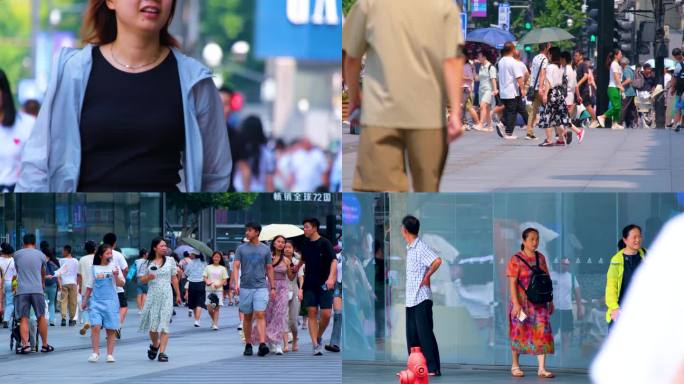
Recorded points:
(540,289)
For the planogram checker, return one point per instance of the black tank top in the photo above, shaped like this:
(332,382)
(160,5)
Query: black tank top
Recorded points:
(132,129)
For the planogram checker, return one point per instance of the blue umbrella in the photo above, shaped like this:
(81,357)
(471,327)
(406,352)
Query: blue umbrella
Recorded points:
(495,37)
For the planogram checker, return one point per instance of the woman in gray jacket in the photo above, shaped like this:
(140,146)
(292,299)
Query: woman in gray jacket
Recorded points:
(128,112)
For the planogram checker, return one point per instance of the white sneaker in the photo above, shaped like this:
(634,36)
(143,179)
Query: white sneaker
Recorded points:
(594,124)
(110,359)
(94,357)
(617,126)
(278,350)
(197,323)
(317,350)
(510,137)
(214,327)
(601,121)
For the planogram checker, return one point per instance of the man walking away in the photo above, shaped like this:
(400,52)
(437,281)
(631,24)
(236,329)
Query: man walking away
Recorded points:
(413,62)
(30,264)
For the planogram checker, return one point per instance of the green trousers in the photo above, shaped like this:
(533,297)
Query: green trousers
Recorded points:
(615,104)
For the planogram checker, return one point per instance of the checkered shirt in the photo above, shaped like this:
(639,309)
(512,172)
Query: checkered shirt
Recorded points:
(418,259)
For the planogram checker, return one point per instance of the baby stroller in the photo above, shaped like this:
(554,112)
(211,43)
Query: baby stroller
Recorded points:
(582,117)
(15,334)
(645,105)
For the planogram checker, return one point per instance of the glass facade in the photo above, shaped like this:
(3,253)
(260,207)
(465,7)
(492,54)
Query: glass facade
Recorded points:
(72,219)
(476,234)
(226,228)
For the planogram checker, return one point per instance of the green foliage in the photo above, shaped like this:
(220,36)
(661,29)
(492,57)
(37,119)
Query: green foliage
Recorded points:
(346,4)
(554,13)
(195,202)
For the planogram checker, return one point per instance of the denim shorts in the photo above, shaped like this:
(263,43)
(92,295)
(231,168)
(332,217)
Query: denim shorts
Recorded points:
(141,289)
(253,300)
(679,103)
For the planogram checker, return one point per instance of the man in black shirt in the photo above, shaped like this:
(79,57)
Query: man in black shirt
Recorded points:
(319,281)
(585,96)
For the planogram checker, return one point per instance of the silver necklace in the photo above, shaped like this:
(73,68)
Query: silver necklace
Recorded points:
(111,50)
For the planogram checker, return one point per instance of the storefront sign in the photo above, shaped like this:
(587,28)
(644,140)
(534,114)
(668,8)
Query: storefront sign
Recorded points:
(302,29)
(302,197)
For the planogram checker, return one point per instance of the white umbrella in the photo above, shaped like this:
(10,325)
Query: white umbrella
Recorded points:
(270,231)
(181,249)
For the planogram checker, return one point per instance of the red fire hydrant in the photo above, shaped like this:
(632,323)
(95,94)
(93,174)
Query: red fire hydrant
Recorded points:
(416,371)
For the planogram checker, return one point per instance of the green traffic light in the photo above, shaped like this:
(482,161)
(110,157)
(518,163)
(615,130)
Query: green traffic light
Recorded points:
(528,25)
(592,38)
(528,48)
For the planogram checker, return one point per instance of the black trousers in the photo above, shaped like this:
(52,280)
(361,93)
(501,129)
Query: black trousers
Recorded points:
(419,333)
(511,109)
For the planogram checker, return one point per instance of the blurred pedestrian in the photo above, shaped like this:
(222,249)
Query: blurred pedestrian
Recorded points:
(554,117)
(488,91)
(102,301)
(141,264)
(307,167)
(628,115)
(276,311)
(677,87)
(68,269)
(195,290)
(166,127)
(615,90)
(468,89)
(8,271)
(538,76)
(85,277)
(529,326)
(336,336)
(584,96)
(15,129)
(232,103)
(52,285)
(511,82)
(571,91)
(156,316)
(296,282)
(215,275)
(413,62)
(120,261)
(255,162)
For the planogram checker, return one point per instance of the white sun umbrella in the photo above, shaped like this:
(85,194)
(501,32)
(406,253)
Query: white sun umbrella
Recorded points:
(270,231)
(441,246)
(182,249)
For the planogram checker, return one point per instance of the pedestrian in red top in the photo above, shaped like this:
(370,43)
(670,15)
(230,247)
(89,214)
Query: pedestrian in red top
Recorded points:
(530,328)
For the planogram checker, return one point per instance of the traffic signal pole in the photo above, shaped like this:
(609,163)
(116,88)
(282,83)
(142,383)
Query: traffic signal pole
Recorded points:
(604,45)
(660,51)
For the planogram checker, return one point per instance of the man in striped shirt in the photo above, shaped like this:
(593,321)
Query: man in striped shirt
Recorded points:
(421,263)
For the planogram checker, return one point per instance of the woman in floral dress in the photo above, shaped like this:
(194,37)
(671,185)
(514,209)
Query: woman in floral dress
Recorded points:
(554,91)
(532,335)
(276,311)
(156,315)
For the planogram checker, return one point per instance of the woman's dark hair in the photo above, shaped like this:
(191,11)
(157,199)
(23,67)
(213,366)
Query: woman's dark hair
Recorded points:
(9,111)
(611,56)
(565,55)
(153,246)
(89,247)
(527,231)
(555,54)
(221,262)
(625,232)
(6,249)
(273,249)
(142,254)
(44,247)
(99,25)
(97,259)
(253,138)
(292,244)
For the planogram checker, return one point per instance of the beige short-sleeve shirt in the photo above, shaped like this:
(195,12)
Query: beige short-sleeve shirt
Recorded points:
(405,43)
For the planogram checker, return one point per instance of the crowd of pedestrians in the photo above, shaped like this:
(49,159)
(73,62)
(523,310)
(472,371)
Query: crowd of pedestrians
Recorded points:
(272,286)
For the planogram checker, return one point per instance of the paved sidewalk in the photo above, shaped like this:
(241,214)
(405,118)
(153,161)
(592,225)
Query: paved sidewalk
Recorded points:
(649,160)
(195,354)
(386,374)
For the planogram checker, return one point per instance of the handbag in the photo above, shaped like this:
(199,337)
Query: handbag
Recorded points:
(531,90)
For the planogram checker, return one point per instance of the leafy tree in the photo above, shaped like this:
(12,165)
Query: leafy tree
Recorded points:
(346,4)
(190,205)
(555,13)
